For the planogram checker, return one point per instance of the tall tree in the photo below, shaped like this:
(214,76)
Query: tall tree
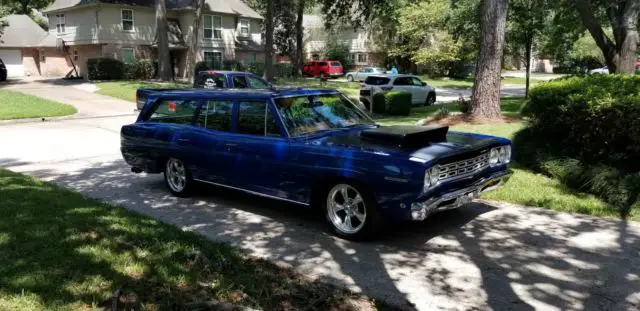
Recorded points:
(162,36)
(298,58)
(25,6)
(193,43)
(619,53)
(268,44)
(485,100)
(526,20)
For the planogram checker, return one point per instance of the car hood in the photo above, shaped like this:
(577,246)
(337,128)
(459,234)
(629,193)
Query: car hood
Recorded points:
(454,143)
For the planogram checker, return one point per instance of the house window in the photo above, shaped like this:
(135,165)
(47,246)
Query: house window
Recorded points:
(60,23)
(352,57)
(75,55)
(213,57)
(362,58)
(212,27)
(244,27)
(127,20)
(128,55)
(42,56)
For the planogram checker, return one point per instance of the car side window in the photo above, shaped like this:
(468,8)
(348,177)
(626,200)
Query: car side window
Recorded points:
(239,82)
(211,81)
(216,115)
(254,118)
(174,111)
(257,83)
(402,81)
(416,81)
(322,64)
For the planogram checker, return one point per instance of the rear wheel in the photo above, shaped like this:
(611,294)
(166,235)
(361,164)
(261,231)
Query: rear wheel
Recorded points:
(178,177)
(351,211)
(322,75)
(431,99)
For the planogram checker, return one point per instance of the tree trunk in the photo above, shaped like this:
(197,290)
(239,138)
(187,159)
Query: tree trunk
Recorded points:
(164,58)
(297,66)
(485,100)
(25,7)
(627,50)
(268,45)
(192,54)
(527,53)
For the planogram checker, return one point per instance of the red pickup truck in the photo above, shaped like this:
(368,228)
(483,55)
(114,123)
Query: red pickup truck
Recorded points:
(323,69)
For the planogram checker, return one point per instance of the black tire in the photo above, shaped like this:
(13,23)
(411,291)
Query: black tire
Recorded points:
(322,75)
(171,180)
(350,78)
(371,225)
(431,99)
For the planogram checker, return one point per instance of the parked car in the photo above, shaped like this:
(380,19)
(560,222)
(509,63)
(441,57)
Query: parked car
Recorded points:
(313,148)
(214,79)
(604,70)
(323,69)
(3,71)
(421,92)
(363,73)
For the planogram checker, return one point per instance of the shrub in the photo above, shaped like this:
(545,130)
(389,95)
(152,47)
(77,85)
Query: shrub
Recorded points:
(105,68)
(595,119)
(336,49)
(379,105)
(140,70)
(283,70)
(464,105)
(397,103)
(256,68)
(233,65)
(442,113)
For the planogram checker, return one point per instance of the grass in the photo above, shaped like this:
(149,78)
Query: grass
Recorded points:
(16,105)
(62,251)
(126,90)
(525,187)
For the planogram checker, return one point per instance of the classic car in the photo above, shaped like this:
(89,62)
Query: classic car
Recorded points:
(313,148)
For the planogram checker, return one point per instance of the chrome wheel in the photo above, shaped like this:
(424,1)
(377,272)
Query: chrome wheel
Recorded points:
(346,209)
(176,175)
(350,78)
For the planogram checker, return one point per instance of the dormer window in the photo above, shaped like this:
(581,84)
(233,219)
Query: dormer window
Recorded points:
(60,23)
(244,28)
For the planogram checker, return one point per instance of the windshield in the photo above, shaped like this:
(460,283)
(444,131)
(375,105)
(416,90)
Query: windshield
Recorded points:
(309,114)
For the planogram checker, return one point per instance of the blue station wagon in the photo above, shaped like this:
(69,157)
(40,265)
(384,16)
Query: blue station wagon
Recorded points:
(314,148)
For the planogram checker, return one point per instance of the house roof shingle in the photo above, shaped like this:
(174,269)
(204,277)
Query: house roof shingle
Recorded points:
(226,6)
(21,31)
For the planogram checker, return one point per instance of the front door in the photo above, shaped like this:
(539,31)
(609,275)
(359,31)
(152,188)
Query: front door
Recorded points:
(260,150)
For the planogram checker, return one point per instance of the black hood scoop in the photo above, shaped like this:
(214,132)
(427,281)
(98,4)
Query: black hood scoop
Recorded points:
(407,136)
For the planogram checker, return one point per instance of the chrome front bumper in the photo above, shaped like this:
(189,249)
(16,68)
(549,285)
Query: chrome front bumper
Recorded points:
(457,198)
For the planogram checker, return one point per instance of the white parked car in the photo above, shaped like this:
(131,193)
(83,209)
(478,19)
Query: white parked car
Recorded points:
(604,71)
(363,73)
(421,92)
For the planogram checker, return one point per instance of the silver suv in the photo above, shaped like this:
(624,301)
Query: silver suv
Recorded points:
(421,92)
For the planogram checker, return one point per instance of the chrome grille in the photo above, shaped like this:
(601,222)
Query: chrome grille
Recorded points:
(463,168)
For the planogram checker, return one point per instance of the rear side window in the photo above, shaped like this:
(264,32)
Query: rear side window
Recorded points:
(211,81)
(174,111)
(403,81)
(377,80)
(216,115)
(240,82)
(322,64)
(254,118)
(335,64)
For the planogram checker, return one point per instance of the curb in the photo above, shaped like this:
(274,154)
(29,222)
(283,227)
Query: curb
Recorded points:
(64,118)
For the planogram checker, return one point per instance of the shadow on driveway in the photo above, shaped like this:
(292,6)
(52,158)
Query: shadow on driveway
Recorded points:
(482,256)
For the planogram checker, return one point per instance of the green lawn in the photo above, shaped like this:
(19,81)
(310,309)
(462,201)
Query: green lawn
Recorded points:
(126,90)
(61,251)
(16,105)
(525,187)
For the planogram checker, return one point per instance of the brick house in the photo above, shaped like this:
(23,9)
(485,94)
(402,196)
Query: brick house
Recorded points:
(126,30)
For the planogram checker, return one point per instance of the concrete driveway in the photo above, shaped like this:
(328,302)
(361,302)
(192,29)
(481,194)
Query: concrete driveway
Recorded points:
(483,256)
(72,92)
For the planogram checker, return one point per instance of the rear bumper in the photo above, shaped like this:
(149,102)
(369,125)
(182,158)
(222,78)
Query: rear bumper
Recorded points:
(457,198)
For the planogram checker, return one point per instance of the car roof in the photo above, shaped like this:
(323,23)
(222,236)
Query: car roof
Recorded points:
(245,93)
(224,72)
(389,75)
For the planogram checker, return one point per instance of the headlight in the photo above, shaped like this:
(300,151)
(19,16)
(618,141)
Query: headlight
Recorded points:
(431,177)
(500,155)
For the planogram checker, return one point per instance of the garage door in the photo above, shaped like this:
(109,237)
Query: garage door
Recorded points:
(13,60)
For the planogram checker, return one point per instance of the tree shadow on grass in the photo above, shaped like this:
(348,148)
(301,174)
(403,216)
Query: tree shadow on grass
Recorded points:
(478,257)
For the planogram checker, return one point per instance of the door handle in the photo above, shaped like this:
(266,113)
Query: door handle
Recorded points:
(183,140)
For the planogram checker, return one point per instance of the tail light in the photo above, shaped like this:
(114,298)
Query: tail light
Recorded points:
(386,88)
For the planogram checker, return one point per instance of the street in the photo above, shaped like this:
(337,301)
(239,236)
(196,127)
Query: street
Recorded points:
(486,255)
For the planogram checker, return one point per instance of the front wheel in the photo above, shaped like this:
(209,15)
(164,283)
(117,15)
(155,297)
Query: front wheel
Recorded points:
(350,78)
(177,177)
(322,75)
(351,212)
(431,99)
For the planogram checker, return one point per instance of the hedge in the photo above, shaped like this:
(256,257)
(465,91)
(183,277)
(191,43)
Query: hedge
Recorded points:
(140,70)
(392,103)
(105,68)
(585,131)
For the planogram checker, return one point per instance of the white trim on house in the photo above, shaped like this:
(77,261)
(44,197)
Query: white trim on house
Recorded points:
(132,20)
(60,23)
